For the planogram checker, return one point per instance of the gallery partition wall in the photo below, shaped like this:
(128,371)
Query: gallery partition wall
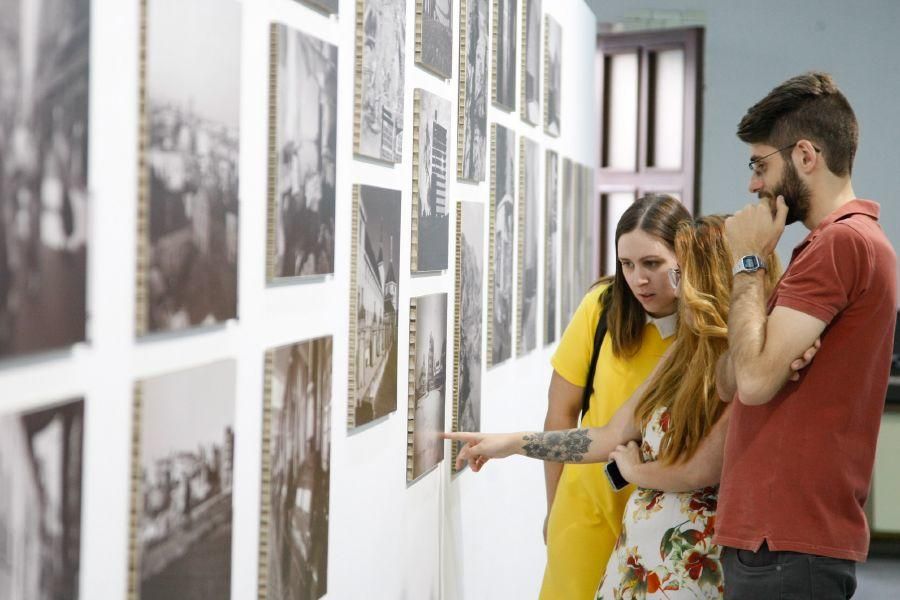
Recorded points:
(649,94)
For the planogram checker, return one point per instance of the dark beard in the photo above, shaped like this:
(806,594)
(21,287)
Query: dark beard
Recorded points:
(796,194)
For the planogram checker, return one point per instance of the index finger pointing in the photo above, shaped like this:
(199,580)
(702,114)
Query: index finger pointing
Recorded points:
(459,436)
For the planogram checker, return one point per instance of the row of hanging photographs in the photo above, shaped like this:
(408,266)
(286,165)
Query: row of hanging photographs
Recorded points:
(187,259)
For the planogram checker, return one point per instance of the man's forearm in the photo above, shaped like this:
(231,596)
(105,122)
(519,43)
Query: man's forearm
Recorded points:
(747,330)
(726,386)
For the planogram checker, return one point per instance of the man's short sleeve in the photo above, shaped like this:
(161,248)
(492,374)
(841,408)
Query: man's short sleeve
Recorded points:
(833,270)
(572,358)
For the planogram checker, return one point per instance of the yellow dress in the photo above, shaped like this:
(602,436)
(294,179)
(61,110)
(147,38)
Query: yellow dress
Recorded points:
(586,516)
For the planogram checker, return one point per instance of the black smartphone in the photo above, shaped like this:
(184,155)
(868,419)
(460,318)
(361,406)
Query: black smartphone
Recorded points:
(614,475)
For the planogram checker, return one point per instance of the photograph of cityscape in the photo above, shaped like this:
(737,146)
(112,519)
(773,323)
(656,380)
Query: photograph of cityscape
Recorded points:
(531,62)
(40,502)
(431,224)
(473,90)
(527,297)
(189,233)
(184,472)
(296,465)
(428,359)
(505,48)
(552,76)
(434,39)
(374,301)
(500,285)
(305,94)
(380,55)
(551,245)
(469,313)
(44,71)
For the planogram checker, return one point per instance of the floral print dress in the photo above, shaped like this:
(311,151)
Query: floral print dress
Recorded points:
(665,550)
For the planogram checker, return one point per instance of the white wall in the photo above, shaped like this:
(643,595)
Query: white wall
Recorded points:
(753,46)
(471,536)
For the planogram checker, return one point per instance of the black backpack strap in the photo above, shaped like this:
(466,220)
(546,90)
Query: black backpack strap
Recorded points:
(599,334)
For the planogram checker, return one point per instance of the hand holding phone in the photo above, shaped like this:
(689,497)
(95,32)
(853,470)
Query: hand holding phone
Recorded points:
(614,475)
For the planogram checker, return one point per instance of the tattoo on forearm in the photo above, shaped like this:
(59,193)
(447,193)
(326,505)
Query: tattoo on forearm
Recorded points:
(557,446)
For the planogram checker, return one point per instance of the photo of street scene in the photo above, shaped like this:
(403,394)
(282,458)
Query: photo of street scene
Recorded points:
(192,153)
(327,6)
(531,62)
(426,403)
(503,201)
(473,94)
(553,76)
(296,465)
(434,49)
(432,225)
(551,245)
(527,298)
(469,312)
(379,89)
(40,502)
(184,490)
(303,208)
(505,44)
(374,302)
(44,71)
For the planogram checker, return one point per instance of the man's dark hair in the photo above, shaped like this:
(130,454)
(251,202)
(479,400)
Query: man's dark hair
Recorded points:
(810,107)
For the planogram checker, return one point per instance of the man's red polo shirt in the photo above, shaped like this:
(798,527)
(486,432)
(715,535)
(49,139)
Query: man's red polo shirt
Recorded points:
(797,470)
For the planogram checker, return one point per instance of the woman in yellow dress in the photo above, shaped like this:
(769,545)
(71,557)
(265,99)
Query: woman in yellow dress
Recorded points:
(584,516)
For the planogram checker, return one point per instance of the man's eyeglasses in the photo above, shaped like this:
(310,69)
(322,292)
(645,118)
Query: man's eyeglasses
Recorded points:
(675,277)
(754,164)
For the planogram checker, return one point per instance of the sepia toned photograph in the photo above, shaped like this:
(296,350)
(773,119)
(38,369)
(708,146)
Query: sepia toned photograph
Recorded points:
(551,245)
(380,56)
(531,62)
(375,295)
(527,296)
(434,39)
(41,455)
(469,311)
(500,286)
(427,388)
(188,223)
(183,480)
(329,7)
(505,47)
(431,219)
(296,467)
(44,81)
(552,76)
(302,157)
(473,89)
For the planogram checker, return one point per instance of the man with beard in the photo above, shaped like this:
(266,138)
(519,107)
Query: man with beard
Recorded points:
(799,453)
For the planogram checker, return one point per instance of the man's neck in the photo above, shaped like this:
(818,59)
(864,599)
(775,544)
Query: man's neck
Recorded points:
(828,200)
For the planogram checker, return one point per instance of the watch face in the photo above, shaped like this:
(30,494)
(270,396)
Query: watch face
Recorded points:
(750,263)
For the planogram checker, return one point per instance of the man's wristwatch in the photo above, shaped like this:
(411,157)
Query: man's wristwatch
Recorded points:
(749,264)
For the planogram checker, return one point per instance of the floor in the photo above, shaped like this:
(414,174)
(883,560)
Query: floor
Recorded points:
(878,579)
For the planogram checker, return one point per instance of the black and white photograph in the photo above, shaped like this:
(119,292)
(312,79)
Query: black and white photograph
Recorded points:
(44,197)
(303,157)
(329,7)
(527,296)
(296,466)
(40,503)
(469,311)
(434,39)
(500,287)
(505,50)
(375,295)
(431,221)
(187,260)
(427,390)
(569,294)
(473,89)
(380,56)
(184,475)
(552,76)
(531,62)
(551,245)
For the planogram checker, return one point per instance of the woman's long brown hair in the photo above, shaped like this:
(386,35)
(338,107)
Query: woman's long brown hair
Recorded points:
(686,383)
(659,215)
